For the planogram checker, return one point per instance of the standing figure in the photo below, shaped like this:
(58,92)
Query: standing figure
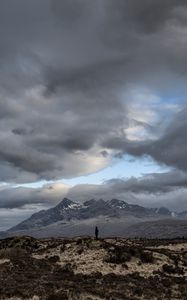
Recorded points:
(96,232)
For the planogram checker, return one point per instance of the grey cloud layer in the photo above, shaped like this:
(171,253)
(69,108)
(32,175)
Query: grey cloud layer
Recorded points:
(150,190)
(66,67)
(156,190)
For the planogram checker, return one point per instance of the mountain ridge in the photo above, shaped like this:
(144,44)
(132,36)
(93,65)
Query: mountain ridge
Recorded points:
(114,217)
(68,210)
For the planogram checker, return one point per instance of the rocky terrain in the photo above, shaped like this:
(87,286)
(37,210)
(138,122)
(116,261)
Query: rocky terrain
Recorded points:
(84,268)
(114,218)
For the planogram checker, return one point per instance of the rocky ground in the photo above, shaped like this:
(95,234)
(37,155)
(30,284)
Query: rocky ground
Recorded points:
(83,268)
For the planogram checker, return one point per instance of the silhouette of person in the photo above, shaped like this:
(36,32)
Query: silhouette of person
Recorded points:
(96,232)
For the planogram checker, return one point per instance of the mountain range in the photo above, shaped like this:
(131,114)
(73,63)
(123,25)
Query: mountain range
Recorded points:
(114,217)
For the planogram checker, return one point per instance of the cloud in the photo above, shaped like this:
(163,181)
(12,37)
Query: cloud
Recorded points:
(28,198)
(153,190)
(146,16)
(71,81)
(148,190)
(170,148)
(132,190)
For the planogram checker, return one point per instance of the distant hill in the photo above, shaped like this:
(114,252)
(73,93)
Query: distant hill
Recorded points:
(169,228)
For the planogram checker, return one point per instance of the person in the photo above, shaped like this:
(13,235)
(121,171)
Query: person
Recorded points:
(96,232)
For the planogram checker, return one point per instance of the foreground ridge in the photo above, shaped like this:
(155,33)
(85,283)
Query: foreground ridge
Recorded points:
(84,268)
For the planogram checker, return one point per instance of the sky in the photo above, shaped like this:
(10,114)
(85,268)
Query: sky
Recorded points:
(93,103)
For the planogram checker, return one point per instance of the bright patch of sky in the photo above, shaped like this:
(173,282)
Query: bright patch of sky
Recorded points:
(126,167)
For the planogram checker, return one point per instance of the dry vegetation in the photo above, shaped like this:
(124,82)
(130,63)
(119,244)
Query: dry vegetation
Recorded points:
(84,268)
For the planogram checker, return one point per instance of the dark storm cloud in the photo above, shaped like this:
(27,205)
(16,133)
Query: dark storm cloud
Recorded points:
(71,12)
(67,67)
(147,16)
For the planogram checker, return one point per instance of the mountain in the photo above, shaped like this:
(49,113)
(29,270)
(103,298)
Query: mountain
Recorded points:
(114,217)
(68,210)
